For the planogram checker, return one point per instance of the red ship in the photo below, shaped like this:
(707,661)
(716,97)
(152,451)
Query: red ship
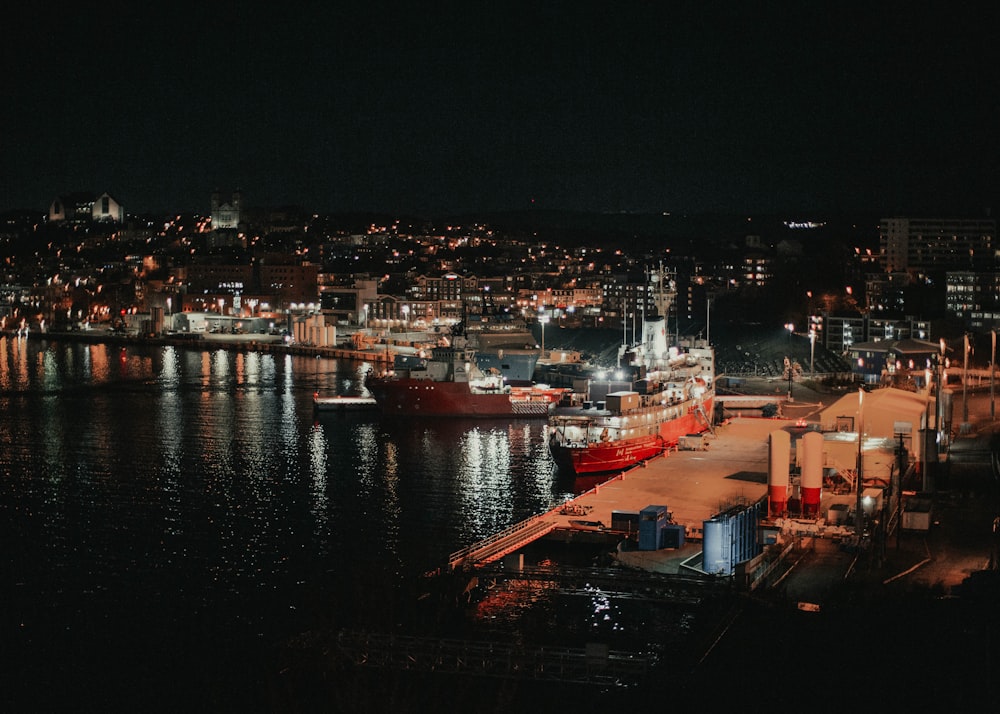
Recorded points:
(449,384)
(671,395)
(631,428)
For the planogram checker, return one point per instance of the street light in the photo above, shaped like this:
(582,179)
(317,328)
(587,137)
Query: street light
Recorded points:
(812,351)
(542,319)
(859,470)
(965,379)
(790,327)
(939,416)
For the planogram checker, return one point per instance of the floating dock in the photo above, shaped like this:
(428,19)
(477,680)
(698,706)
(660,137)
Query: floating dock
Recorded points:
(344,404)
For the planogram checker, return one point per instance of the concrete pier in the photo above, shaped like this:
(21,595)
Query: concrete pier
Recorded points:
(693,485)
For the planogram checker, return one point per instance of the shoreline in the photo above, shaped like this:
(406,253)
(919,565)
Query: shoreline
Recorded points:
(253,342)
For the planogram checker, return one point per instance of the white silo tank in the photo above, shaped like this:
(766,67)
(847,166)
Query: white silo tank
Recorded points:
(812,472)
(778,457)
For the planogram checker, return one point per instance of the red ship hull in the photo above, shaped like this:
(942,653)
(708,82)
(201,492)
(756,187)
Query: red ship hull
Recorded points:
(422,397)
(604,457)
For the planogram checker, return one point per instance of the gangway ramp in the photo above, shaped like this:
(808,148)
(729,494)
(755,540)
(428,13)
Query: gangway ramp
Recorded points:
(503,543)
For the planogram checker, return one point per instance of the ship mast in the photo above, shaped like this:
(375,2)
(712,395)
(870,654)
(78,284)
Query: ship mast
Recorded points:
(663,296)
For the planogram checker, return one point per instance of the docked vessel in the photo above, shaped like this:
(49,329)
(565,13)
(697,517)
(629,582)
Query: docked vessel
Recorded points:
(343,404)
(503,342)
(449,383)
(670,396)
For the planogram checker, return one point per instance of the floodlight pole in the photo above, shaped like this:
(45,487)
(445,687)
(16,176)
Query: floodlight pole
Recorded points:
(859,516)
(965,379)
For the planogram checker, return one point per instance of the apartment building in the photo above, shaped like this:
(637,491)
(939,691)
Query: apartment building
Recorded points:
(937,244)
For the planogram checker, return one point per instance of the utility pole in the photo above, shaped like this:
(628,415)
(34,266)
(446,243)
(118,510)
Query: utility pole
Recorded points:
(965,379)
(939,416)
(708,321)
(859,515)
(812,350)
(791,328)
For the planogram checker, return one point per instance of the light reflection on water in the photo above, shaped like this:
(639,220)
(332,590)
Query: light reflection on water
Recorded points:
(196,492)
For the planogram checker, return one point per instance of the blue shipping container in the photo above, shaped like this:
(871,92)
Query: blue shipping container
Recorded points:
(652,520)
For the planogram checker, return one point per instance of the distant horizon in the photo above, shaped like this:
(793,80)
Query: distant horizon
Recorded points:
(986,212)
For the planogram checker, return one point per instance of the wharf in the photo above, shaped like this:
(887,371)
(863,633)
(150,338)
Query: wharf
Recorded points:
(693,485)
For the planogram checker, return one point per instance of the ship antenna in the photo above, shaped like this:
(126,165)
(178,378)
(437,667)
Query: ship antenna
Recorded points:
(624,320)
(645,338)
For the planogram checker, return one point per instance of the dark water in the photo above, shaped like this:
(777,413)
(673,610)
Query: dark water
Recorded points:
(169,517)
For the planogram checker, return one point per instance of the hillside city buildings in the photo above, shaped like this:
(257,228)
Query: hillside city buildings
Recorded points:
(87,262)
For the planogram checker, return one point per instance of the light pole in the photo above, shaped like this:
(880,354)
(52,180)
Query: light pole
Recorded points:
(790,327)
(812,351)
(965,379)
(993,370)
(708,320)
(937,401)
(859,517)
(542,319)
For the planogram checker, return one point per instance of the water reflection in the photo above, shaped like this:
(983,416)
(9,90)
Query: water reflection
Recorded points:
(288,424)
(318,446)
(168,375)
(13,363)
(498,471)
(197,491)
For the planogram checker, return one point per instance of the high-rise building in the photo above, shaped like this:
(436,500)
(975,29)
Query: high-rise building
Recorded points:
(937,244)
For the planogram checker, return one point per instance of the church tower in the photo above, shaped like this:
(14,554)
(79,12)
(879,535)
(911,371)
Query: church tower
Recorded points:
(226,216)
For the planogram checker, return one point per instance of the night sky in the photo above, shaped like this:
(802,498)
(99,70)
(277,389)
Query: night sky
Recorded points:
(458,107)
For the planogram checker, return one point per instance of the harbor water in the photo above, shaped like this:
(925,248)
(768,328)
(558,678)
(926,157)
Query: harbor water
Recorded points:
(170,516)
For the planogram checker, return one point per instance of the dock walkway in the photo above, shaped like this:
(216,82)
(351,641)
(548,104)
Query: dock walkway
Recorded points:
(503,543)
